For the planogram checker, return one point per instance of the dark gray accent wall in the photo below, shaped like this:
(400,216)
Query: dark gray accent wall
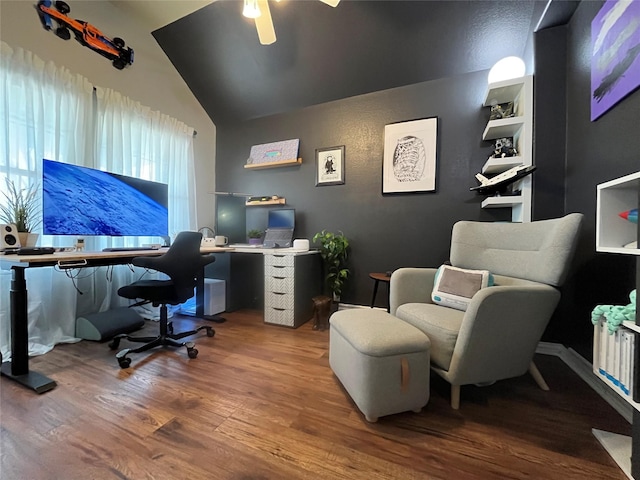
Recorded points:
(385,231)
(596,152)
(572,153)
(550,120)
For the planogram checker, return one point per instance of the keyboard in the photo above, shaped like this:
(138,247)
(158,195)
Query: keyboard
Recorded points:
(35,251)
(126,249)
(278,238)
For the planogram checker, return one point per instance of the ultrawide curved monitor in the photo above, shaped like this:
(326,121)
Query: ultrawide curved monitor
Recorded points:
(84,201)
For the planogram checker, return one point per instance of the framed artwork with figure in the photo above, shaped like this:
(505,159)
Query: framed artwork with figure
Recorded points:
(330,166)
(409,163)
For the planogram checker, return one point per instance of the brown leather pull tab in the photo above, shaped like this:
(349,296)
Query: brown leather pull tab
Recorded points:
(404,369)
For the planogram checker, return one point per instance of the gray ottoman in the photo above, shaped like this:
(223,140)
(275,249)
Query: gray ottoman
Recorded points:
(381,361)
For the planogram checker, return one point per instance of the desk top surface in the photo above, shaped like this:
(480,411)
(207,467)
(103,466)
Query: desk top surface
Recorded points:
(7,261)
(10,261)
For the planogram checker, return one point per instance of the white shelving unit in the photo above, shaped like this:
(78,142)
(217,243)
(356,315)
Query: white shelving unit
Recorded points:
(613,231)
(618,446)
(520,127)
(628,398)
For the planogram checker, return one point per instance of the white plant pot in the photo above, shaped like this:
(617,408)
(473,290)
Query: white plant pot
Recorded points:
(28,239)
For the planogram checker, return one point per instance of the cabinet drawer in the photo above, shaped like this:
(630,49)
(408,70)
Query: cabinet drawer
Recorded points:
(279,316)
(279,260)
(278,300)
(278,271)
(278,284)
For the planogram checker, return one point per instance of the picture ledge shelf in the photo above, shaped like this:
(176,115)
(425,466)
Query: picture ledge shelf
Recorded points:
(279,201)
(283,163)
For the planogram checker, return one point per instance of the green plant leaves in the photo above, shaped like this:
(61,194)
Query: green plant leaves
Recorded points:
(334,252)
(21,206)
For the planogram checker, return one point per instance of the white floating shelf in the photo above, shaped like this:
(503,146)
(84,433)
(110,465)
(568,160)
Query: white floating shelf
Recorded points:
(500,202)
(503,92)
(499,165)
(503,127)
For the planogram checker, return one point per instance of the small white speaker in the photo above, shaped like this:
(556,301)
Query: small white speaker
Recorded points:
(9,239)
(301,244)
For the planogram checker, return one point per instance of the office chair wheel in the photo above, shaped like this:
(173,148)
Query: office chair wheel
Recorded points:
(114,343)
(210,332)
(123,360)
(170,328)
(192,351)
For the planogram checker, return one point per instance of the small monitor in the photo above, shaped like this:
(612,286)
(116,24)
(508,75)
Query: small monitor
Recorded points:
(282,218)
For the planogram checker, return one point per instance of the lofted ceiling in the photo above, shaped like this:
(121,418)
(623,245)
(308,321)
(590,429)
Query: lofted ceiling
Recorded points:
(155,14)
(324,54)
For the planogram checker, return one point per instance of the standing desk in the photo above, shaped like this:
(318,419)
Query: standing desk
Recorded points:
(18,368)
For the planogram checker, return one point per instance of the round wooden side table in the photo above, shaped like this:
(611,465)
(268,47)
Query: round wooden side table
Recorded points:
(379,277)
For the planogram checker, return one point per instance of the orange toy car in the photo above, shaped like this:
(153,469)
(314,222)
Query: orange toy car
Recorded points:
(85,33)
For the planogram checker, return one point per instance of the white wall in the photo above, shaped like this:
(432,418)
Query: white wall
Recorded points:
(152,80)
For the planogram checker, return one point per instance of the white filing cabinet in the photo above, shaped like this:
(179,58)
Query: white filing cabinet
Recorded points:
(291,280)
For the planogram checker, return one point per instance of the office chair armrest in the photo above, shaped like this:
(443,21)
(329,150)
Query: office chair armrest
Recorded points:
(208,258)
(410,285)
(153,263)
(157,263)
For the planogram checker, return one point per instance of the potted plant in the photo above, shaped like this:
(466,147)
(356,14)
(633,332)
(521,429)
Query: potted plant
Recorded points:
(333,250)
(255,236)
(20,209)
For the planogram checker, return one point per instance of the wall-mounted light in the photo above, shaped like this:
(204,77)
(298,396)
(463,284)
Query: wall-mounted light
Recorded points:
(506,69)
(251,9)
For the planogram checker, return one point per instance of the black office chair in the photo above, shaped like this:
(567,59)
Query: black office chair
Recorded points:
(182,263)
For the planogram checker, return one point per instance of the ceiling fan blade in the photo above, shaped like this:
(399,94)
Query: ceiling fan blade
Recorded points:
(264,24)
(332,3)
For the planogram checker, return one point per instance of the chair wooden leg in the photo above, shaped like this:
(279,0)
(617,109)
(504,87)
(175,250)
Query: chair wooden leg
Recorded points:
(455,397)
(537,376)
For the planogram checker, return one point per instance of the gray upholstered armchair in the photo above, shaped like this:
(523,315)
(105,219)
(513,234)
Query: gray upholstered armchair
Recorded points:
(496,337)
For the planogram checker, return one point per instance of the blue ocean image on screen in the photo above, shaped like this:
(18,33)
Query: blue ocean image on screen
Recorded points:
(85,201)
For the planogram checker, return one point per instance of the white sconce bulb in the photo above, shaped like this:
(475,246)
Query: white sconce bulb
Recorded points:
(506,69)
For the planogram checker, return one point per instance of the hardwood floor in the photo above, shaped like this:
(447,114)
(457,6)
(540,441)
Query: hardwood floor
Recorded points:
(260,402)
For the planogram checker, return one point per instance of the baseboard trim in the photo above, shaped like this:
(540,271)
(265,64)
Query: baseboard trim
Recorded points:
(583,369)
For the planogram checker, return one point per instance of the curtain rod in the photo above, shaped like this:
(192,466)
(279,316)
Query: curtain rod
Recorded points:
(195,132)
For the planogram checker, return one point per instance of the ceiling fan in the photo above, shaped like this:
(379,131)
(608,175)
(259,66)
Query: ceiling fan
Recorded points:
(259,11)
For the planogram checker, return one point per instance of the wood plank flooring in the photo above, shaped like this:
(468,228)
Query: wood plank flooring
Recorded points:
(261,402)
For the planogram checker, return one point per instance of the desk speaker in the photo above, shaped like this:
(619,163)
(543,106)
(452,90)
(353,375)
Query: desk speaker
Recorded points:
(9,236)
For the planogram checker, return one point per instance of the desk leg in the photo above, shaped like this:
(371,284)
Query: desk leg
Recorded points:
(18,368)
(200,302)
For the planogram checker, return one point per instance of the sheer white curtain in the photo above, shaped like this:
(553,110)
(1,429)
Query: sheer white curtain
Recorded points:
(48,112)
(45,112)
(134,140)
